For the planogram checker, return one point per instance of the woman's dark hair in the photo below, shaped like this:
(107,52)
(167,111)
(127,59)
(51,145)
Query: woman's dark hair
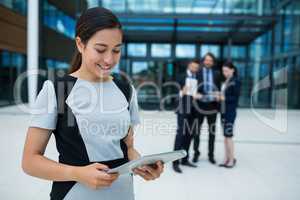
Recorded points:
(91,21)
(231,66)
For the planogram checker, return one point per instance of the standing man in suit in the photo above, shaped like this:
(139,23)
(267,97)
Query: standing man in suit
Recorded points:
(185,112)
(207,105)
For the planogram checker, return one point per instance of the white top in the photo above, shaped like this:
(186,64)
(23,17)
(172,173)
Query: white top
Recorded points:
(100,110)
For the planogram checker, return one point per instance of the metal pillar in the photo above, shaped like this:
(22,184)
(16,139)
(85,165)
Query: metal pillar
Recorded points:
(229,47)
(258,52)
(32,49)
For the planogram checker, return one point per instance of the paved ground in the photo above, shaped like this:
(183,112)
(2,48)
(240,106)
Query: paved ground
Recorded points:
(268,160)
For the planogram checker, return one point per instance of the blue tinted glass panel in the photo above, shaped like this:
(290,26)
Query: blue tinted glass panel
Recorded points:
(58,21)
(137,49)
(160,50)
(215,49)
(62,65)
(139,67)
(236,51)
(6,59)
(19,6)
(50,63)
(185,51)
(17,60)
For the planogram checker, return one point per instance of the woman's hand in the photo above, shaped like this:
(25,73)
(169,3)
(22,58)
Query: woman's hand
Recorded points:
(150,172)
(197,96)
(185,90)
(94,176)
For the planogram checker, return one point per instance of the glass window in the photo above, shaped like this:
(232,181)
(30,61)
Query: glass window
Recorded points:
(56,64)
(160,50)
(288,27)
(241,68)
(263,70)
(57,20)
(62,65)
(139,67)
(7,3)
(116,68)
(278,38)
(50,63)
(5,59)
(185,51)
(236,52)
(298,65)
(19,6)
(17,60)
(137,49)
(214,49)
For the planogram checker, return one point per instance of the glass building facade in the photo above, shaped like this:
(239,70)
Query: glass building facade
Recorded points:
(58,20)
(19,6)
(12,65)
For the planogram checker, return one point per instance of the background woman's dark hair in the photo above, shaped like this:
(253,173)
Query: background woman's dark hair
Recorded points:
(230,65)
(91,21)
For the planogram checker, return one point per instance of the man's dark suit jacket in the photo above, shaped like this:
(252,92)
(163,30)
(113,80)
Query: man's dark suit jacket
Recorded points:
(216,80)
(214,105)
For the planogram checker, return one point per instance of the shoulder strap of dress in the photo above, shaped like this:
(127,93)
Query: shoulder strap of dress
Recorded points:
(63,86)
(124,86)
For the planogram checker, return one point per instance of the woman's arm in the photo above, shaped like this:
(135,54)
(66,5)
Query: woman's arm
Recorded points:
(36,164)
(133,154)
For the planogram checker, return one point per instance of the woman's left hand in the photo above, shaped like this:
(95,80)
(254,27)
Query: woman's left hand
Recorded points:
(150,172)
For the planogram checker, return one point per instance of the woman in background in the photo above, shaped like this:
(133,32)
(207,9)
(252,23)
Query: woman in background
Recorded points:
(230,92)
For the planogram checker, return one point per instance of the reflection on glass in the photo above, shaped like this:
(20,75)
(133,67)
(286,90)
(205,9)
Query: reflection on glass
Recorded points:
(263,70)
(56,64)
(185,51)
(57,20)
(241,68)
(145,79)
(17,5)
(12,64)
(160,50)
(214,49)
(182,6)
(137,49)
(235,52)
(5,59)
(139,68)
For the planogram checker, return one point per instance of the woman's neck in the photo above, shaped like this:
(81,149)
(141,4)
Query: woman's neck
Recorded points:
(229,77)
(86,75)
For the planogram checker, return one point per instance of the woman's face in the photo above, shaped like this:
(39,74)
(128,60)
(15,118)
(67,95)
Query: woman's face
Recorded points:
(227,72)
(102,52)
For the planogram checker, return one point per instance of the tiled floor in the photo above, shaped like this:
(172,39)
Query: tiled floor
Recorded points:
(268,160)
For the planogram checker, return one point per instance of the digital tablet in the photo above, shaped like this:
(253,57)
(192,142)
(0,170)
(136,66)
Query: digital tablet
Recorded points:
(148,160)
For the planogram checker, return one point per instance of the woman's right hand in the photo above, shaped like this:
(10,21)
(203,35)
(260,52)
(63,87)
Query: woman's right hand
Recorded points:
(94,176)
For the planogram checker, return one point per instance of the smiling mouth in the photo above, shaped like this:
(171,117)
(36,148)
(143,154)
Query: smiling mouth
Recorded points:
(103,68)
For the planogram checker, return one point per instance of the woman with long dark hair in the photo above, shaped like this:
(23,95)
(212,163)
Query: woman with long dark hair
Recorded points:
(91,115)
(230,92)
